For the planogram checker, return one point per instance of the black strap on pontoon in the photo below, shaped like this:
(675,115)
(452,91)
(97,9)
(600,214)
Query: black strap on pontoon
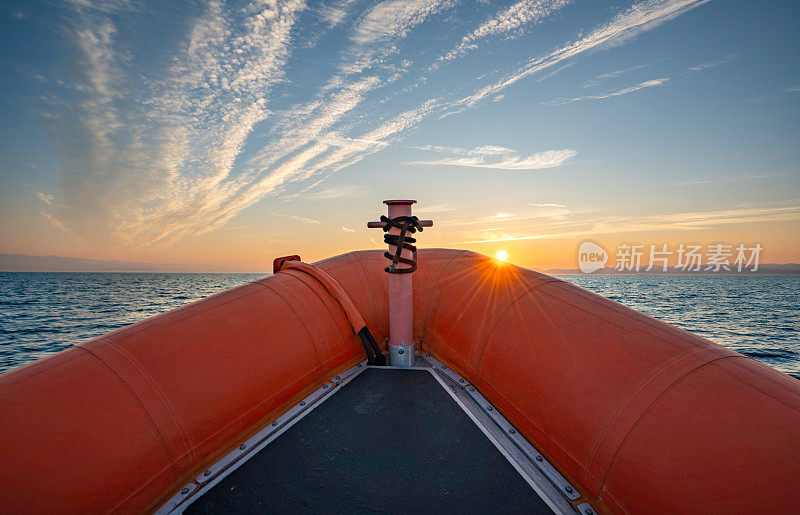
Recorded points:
(406,224)
(374,354)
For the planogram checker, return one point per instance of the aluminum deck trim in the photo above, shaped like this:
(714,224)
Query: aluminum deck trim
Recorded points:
(535,479)
(252,446)
(444,369)
(525,446)
(306,404)
(529,451)
(178,498)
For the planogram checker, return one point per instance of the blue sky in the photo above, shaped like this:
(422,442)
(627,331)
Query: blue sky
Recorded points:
(228,132)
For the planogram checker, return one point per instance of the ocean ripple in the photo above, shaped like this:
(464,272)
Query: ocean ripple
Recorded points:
(43,313)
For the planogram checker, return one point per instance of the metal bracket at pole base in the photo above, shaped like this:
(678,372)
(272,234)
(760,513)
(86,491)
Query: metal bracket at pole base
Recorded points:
(401,356)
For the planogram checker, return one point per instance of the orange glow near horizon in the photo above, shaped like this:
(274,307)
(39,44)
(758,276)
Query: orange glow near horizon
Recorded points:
(541,238)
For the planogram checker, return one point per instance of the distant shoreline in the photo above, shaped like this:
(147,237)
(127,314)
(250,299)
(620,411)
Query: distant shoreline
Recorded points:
(60,264)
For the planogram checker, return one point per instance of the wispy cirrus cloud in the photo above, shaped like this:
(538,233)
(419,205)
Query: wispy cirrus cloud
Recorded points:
(305,220)
(161,169)
(717,180)
(83,128)
(701,220)
(646,84)
(626,25)
(714,64)
(336,192)
(310,142)
(47,198)
(334,13)
(589,83)
(580,226)
(499,158)
(392,19)
(542,211)
(546,205)
(383,24)
(774,95)
(506,22)
(300,219)
(612,94)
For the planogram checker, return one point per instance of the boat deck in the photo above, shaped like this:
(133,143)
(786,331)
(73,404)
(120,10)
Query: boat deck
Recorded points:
(388,440)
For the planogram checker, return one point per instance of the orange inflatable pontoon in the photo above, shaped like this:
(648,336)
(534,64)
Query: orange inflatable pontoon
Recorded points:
(527,394)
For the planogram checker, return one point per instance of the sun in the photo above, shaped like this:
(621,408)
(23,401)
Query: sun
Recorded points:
(501,255)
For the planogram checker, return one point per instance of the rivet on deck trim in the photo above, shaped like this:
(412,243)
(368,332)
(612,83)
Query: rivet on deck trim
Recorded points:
(325,387)
(588,511)
(512,431)
(358,366)
(242,447)
(568,489)
(185,491)
(539,458)
(471,389)
(302,403)
(489,408)
(207,473)
(336,378)
(275,423)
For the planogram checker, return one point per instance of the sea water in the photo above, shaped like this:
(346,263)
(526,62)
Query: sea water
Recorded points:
(43,313)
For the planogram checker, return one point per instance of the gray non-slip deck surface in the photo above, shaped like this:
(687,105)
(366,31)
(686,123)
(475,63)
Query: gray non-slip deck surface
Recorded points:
(389,441)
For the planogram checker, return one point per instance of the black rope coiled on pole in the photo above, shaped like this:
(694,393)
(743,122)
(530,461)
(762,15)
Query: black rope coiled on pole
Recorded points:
(406,224)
